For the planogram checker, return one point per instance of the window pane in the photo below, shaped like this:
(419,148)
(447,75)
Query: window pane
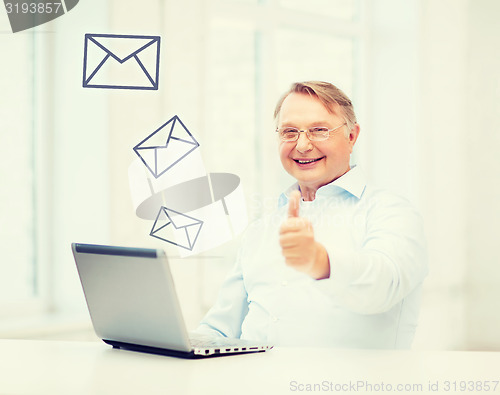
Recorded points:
(230,105)
(16,169)
(338,9)
(302,56)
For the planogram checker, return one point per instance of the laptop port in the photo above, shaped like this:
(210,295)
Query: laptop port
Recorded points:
(217,351)
(253,348)
(236,349)
(244,349)
(228,349)
(207,351)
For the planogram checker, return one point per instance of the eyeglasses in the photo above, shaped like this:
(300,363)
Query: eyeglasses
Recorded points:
(289,134)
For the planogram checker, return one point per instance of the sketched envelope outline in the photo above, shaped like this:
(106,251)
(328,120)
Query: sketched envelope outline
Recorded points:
(186,229)
(107,45)
(166,146)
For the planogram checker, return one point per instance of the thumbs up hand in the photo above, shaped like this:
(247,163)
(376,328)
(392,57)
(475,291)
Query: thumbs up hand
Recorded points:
(294,204)
(298,246)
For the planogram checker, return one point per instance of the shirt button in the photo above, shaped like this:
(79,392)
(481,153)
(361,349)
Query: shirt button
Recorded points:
(284,283)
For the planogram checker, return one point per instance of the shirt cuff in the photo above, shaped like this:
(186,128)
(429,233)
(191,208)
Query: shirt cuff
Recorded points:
(342,271)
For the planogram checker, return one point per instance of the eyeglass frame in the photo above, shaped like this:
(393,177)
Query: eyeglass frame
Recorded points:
(308,132)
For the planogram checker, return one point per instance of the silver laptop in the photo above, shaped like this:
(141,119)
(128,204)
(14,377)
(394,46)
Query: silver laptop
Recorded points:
(133,305)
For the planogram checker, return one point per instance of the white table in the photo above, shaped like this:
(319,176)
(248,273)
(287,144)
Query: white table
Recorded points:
(55,367)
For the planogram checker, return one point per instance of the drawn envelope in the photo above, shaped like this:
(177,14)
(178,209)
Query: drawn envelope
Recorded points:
(184,228)
(166,146)
(115,61)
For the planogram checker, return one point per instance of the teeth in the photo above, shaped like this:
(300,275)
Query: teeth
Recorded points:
(303,162)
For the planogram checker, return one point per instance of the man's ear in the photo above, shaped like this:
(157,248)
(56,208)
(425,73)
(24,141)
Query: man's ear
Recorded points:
(353,135)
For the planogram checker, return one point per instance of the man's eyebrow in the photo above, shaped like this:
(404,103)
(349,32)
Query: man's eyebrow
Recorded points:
(286,123)
(320,123)
(310,125)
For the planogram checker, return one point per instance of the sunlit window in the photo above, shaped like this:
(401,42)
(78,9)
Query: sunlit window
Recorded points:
(17,193)
(337,9)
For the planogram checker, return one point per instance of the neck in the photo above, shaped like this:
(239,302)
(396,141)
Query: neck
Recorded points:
(308,194)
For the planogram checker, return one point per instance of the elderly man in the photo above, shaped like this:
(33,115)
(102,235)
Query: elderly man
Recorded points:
(339,263)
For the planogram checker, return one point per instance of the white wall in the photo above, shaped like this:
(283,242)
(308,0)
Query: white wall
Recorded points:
(392,96)
(482,148)
(458,118)
(442,59)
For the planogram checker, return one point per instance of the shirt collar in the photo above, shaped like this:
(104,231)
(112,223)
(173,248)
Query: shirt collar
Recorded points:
(353,182)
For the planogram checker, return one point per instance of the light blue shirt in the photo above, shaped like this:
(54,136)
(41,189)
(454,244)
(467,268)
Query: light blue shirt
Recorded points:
(377,254)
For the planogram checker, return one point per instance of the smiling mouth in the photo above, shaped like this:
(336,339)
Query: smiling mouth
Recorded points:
(306,161)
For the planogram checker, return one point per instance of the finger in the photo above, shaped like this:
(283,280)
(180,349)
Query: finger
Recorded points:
(295,224)
(288,240)
(290,253)
(289,227)
(293,204)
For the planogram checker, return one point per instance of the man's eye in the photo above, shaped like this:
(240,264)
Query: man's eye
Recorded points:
(289,133)
(319,130)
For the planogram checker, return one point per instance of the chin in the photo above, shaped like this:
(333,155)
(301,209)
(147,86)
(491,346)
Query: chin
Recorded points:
(308,182)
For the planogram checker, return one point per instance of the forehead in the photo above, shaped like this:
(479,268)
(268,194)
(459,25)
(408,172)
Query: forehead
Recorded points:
(303,108)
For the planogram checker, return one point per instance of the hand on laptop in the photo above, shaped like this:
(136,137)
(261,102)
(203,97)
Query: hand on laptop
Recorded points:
(298,246)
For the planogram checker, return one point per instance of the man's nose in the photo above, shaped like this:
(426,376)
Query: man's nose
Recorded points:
(303,143)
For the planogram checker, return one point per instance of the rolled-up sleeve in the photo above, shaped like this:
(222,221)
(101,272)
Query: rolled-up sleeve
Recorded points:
(391,260)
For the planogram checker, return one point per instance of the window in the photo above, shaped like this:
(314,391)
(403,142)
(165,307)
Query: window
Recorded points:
(255,50)
(336,9)
(18,266)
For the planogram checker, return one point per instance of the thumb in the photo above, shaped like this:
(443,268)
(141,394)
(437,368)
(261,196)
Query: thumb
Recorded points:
(293,204)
